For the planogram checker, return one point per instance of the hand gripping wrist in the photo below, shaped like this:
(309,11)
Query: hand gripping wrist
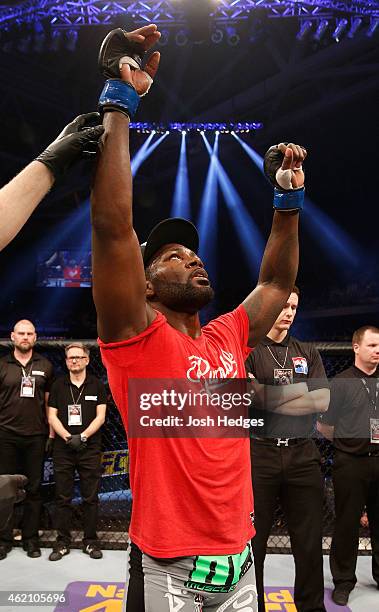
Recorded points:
(119,95)
(288,200)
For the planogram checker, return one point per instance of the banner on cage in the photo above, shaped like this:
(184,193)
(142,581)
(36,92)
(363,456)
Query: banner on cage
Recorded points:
(115,462)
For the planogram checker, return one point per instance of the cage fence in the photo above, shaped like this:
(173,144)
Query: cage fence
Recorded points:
(115,497)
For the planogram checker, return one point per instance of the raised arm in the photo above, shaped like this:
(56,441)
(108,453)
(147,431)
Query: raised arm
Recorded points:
(21,196)
(119,284)
(281,257)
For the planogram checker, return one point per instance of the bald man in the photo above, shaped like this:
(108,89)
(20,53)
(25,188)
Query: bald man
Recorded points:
(25,379)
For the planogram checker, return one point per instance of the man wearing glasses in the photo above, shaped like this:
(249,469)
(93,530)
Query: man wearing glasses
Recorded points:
(77,406)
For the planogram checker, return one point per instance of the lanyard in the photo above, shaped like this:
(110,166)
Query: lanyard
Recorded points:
(25,373)
(79,396)
(374,403)
(282,366)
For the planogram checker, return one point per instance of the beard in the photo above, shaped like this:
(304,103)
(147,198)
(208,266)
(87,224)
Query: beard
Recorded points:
(24,348)
(182,297)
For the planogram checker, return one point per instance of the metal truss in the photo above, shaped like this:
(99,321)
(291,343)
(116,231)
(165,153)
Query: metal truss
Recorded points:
(77,13)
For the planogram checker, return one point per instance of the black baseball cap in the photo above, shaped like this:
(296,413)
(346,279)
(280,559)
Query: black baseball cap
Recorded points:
(175,230)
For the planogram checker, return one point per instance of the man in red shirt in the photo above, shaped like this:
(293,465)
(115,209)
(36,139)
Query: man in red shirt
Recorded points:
(192,497)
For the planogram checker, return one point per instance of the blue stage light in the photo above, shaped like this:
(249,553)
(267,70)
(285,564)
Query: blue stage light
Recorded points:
(321,29)
(176,126)
(57,239)
(340,28)
(257,159)
(147,152)
(181,206)
(305,28)
(374,22)
(356,23)
(338,245)
(229,13)
(207,220)
(251,239)
(141,154)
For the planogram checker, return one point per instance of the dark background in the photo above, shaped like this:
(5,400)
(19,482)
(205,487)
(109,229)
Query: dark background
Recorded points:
(323,95)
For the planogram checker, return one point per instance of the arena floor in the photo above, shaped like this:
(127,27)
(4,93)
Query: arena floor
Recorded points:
(78,576)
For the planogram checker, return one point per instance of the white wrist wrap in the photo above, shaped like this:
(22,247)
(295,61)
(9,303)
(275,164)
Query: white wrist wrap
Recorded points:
(133,64)
(283,177)
(128,60)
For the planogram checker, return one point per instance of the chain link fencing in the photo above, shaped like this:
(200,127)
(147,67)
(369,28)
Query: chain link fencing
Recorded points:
(115,494)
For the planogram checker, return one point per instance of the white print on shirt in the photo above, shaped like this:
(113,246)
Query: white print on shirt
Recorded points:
(38,373)
(174,602)
(239,602)
(201,368)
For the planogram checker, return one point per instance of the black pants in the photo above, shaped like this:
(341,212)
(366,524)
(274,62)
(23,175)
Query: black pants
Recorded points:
(88,464)
(25,455)
(356,484)
(291,474)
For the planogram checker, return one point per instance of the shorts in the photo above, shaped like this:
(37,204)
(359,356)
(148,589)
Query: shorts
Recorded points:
(191,584)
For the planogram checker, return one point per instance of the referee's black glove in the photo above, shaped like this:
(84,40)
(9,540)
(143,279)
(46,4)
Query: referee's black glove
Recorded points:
(76,443)
(78,139)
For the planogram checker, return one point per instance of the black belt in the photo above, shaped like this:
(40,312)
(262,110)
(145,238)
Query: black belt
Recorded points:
(281,441)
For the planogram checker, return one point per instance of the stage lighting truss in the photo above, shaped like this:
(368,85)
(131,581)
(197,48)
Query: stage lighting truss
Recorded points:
(221,128)
(74,14)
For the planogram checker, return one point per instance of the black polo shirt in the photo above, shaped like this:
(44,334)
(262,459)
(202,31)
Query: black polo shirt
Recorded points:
(92,393)
(275,363)
(351,407)
(25,416)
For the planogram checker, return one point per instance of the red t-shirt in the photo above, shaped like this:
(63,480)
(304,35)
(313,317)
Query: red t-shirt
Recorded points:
(191,496)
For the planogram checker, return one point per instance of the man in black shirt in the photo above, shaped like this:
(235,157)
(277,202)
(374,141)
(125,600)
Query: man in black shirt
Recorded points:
(352,423)
(77,407)
(25,379)
(290,387)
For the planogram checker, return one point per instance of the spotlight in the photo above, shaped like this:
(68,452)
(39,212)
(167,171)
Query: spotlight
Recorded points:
(181,38)
(71,40)
(165,35)
(339,29)
(217,36)
(374,22)
(181,205)
(321,29)
(305,27)
(355,25)
(232,36)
